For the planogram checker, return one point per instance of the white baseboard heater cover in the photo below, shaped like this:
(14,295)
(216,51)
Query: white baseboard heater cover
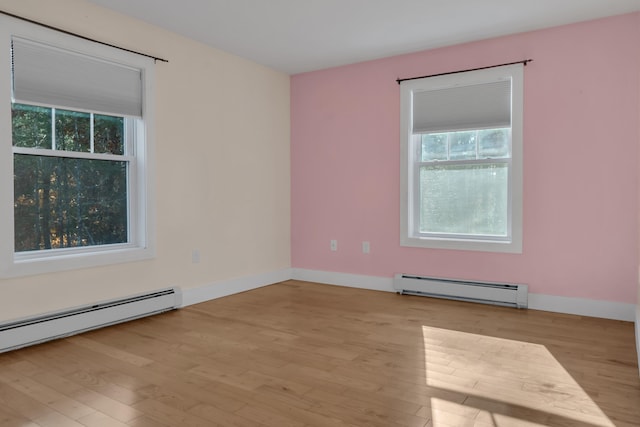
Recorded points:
(34,330)
(482,292)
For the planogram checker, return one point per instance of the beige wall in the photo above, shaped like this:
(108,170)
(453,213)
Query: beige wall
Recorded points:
(222,170)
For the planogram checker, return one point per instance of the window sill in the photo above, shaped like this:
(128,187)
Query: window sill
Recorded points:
(51,263)
(514,246)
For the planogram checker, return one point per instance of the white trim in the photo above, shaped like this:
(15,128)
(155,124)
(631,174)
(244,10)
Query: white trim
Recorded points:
(567,305)
(228,287)
(344,279)
(582,307)
(638,335)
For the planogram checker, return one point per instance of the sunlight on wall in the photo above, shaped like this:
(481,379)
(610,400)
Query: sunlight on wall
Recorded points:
(502,382)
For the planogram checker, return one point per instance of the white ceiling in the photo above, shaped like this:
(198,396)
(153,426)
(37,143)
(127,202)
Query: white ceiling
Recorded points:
(295,36)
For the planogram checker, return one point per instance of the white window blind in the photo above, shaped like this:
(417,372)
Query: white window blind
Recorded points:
(477,106)
(52,76)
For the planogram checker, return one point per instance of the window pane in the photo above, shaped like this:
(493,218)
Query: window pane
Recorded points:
(108,131)
(62,202)
(462,145)
(73,131)
(31,126)
(464,199)
(494,143)
(434,146)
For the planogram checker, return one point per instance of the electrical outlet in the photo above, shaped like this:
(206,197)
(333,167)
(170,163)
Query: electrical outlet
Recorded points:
(334,245)
(366,247)
(195,256)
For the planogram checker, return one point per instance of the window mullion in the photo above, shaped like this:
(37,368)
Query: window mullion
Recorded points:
(71,154)
(91,132)
(463,162)
(53,129)
(477,141)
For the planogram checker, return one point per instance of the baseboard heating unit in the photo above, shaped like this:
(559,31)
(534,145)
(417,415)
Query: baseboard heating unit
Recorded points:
(34,330)
(482,292)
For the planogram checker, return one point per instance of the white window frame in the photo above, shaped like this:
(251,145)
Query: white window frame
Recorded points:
(409,236)
(140,153)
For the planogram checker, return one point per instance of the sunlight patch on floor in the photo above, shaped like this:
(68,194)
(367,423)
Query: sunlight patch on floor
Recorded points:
(506,382)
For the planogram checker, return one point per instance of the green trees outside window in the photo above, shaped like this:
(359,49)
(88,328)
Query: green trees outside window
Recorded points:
(70,179)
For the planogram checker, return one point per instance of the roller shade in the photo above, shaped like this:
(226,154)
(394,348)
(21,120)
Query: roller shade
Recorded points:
(46,75)
(478,106)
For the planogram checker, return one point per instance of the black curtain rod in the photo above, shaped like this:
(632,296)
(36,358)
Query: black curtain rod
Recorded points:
(155,58)
(524,61)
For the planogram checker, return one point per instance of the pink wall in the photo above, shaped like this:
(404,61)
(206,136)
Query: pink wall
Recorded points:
(580,160)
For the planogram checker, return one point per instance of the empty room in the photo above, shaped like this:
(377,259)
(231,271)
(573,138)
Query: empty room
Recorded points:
(319,213)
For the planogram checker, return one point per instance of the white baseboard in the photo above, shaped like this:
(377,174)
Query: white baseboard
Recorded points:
(557,304)
(583,307)
(224,288)
(638,335)
(344,279)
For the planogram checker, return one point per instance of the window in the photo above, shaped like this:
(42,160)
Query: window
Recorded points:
(74,181)
(70,179)
(461,161)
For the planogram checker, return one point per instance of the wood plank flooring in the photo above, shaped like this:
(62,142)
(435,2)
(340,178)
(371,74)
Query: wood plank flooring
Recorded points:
(304,354)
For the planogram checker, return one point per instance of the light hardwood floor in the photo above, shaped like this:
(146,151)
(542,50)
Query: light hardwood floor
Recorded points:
(303,354)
